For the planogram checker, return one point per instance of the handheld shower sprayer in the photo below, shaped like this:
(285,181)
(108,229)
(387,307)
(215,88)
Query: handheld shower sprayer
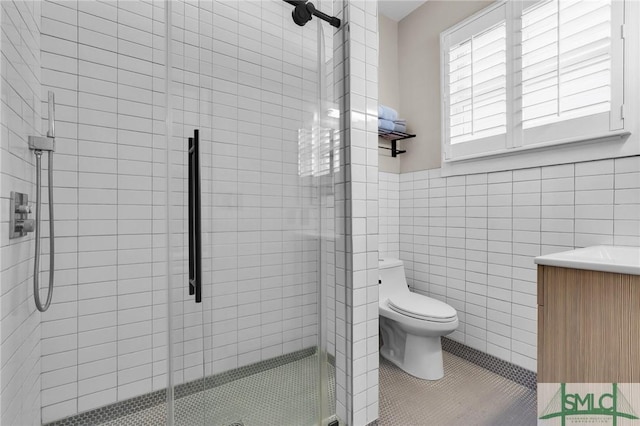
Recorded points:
(38,144)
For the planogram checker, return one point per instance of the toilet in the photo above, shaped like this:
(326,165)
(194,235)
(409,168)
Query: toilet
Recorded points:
(411,324)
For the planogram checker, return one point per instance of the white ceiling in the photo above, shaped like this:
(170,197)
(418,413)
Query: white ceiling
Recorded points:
(398,9)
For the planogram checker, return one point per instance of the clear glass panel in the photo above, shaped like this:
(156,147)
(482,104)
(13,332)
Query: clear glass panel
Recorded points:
(260,348)
(187,326)
(258,89)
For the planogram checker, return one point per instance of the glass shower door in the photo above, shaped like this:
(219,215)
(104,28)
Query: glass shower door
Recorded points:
(258,348)
(188,214)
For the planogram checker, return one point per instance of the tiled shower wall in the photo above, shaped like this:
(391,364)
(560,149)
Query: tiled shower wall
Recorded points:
(104,337)
(248,89)
(19,118)
(362,238)
(470,240)
(249,84)
(342,349)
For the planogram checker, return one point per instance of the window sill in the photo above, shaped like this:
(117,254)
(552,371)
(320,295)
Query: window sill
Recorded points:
(555,152)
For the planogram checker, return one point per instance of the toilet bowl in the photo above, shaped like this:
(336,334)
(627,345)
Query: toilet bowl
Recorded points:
(412,324)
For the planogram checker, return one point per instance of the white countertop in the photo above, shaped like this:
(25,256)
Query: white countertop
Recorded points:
(617,259)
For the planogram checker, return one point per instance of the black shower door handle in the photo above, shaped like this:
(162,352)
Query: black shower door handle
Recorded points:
(195,243)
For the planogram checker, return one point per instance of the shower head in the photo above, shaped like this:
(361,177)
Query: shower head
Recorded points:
(304,10)
(302,13)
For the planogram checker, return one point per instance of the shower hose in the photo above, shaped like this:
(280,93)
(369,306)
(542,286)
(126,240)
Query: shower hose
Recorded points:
(36,264)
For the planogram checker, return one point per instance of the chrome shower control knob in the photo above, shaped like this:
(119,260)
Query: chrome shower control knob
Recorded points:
(23,209)
(27,225)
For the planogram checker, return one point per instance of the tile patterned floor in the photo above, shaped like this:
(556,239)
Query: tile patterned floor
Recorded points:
(467,395)
(285,395)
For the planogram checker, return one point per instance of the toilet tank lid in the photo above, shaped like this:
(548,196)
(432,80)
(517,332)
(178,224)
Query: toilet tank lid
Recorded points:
(388,262)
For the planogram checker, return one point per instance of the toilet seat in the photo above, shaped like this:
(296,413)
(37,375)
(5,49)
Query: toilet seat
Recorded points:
(422,307)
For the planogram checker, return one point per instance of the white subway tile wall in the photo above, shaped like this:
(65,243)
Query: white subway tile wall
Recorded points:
(389,205)
(104,338)
(362,272)
(246,76)
(261,224)
(342,349)
(20,117)
(471,240)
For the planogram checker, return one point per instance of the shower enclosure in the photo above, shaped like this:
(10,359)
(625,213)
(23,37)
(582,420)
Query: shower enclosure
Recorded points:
(253,90)
(198,160)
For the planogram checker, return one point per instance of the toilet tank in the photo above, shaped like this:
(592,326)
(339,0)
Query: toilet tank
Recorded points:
(392,277)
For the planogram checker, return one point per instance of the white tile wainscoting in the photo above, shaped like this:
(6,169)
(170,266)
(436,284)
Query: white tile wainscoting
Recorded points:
(389,205)
(470,240)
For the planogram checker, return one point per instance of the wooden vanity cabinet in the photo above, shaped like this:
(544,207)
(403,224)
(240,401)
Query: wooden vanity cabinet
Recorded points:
(588,326)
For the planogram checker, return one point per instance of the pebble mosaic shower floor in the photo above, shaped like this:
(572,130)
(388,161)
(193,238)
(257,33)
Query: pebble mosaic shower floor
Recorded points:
(285,395)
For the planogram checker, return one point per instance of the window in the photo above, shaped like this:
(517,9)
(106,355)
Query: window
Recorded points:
(526,74)
(477,86)
(566,61)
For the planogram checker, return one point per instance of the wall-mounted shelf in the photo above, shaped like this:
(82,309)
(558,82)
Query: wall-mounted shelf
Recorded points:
(394,137)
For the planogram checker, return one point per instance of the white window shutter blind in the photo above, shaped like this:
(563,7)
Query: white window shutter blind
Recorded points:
(477,86)
(566,60)
(530,74)
(475,78)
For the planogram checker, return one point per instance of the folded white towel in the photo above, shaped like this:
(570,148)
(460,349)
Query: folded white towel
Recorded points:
(387,113)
